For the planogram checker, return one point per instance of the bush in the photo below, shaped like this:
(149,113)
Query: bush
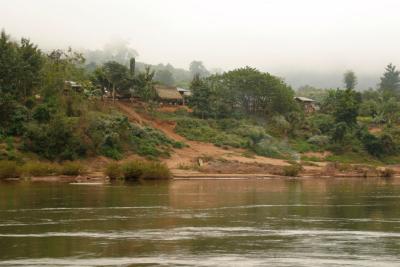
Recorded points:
(323,122)
(40,169)
(9,169)
(138,169)
(55,140)
(110,135)
(155,170)
(319,140)
(113,171)
(41,113)
(132,170)
(292,170)
(72,168)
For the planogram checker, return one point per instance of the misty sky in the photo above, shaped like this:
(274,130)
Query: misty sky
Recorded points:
(303,40)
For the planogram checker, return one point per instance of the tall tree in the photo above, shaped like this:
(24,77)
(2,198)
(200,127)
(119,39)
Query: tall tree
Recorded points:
(145,84)
(197,68)
(349,79)
(201,97)
(390,81)
(164,76)
(346,106)
(9,63)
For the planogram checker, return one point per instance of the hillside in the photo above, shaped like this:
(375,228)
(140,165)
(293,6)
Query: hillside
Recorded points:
(189,156)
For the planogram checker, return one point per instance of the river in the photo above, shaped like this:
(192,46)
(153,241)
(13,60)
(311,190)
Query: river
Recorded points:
(269,222)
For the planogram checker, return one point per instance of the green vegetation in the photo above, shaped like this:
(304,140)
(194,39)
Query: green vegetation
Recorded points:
(137,169)
(51,104)
(292,170)
(233,133)
(12,169)
(40,169)
(72,168)
(9,169)
(113,171)
(52,108)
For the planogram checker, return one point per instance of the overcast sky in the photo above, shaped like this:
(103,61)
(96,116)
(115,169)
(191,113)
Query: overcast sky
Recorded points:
(285,37)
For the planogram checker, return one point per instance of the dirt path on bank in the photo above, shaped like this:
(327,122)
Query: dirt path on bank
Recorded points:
(188,156)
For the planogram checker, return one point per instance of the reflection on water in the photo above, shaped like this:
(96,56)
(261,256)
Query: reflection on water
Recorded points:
(276,222)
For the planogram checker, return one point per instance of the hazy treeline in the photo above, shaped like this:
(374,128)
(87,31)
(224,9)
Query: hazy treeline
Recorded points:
(119,51)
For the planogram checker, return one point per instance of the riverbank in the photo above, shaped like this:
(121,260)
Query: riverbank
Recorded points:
(177,174)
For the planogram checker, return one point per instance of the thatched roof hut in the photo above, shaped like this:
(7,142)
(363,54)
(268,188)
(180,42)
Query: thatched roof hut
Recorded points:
(168,93)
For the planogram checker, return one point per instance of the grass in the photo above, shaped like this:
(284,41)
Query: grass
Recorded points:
(40,169)
(189,166)
(352,158)
(132,170)
(155,170)
(292,170)
(311,158)
(227,133)
(113,171)
(303,146)
(9,169)
(138,169)
(72,168)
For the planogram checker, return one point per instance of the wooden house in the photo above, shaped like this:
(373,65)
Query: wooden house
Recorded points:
(309,105)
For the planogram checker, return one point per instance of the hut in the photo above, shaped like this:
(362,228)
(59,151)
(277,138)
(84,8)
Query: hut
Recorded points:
(71,85)
(309,105)
(168,95)
(185,93)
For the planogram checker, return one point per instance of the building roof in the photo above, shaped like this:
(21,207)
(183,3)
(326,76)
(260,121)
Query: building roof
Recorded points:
(180,89)
(167,92)
(72,84)
(304,99)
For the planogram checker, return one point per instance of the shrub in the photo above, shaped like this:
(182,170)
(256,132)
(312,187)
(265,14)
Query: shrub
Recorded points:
(9,169)
(138,169)
(113,171)
(110,135)
(12,115)
(56,140)
(292,170)
(323,122)
(40,169)
(319,140)
(132,170)
(155,170)
(41,113)
(72,168)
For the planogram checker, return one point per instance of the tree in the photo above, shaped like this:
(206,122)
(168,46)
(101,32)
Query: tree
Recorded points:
(390,109)
(117,75)
(197,67)
(9,62)
(145,84)
(165,77)
(349,79)
(20,66)
(390,81)
(201,96)
(344,105)
(100,79)
(241,92)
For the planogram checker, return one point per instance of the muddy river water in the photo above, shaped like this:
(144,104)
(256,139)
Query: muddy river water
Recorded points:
(254,222)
